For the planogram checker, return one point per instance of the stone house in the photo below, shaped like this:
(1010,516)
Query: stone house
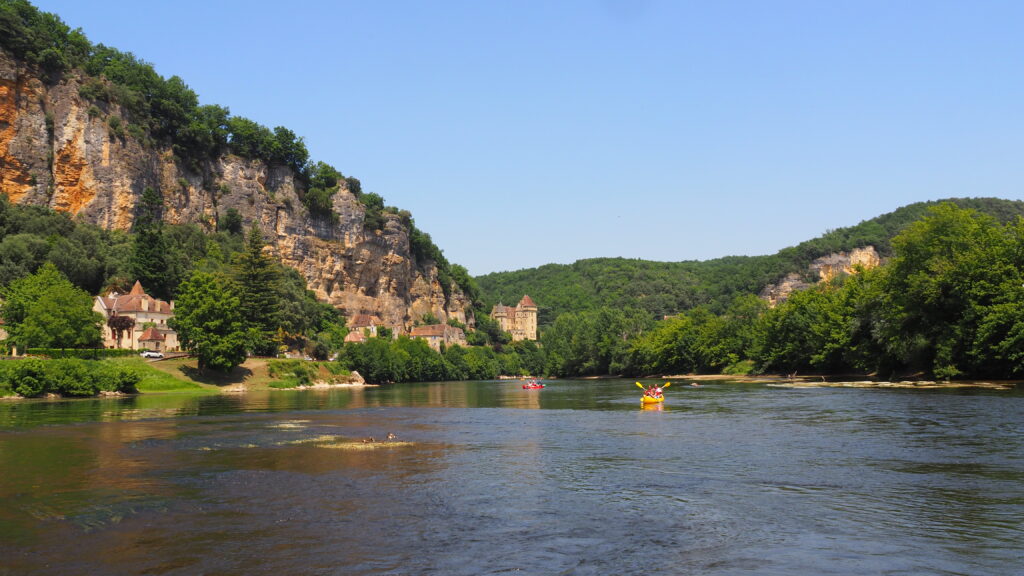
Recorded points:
(437,334)
(357,337)
(149,330)
(365,324)
(520,320)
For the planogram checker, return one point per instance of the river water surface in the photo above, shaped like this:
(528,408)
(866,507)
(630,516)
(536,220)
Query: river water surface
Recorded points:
(488,478)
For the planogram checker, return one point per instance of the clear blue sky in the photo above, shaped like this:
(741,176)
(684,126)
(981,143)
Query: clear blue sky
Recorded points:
(662,130)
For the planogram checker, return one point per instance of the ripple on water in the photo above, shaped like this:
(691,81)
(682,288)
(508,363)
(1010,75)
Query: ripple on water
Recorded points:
(731,480)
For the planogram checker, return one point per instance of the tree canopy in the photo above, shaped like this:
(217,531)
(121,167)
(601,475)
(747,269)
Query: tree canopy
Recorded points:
(209,321)
(45,310)
(669,288)
(949,303)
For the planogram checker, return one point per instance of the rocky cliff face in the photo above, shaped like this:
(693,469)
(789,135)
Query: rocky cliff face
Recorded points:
(826,269)
(61,151)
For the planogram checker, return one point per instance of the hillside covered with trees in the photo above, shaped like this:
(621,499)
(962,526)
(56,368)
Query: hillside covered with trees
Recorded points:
(666,288)
(949,303)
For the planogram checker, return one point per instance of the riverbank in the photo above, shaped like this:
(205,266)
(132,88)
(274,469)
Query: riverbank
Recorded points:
(819,381)
(253,374)
(918,384)
(181,375)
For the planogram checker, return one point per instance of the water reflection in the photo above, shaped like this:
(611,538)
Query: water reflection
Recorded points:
(485,477)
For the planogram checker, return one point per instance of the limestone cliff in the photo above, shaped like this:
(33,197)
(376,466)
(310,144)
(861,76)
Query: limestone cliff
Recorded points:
(61,151)
(824,269)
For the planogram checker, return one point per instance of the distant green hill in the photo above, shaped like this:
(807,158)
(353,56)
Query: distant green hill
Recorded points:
(670,287)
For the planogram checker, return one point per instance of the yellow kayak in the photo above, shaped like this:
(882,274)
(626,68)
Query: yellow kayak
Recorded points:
(651,399)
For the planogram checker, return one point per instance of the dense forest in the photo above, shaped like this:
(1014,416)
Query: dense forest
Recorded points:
(948,304)
(666,288)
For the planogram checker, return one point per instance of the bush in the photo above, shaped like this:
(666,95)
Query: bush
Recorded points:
(116,128)
(292,373)
(83,353)
(117,378)
(67,376)
(740,368)
(6,388)
(28,378)
(337,369)
(71,378)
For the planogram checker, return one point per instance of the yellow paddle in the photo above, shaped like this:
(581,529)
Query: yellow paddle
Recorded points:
(641,386)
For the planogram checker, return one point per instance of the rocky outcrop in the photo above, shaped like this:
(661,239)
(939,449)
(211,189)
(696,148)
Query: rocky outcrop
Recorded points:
(73,155)
(825,269)
(780,291)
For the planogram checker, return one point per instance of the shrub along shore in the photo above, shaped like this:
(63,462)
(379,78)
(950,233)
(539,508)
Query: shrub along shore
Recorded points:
(34,377)
(77,378)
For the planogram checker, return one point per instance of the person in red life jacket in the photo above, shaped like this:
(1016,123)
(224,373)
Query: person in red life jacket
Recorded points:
(653,391)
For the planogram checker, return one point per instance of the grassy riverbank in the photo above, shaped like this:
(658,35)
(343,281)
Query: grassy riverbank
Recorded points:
(180,375)
(183,375)
(253,374)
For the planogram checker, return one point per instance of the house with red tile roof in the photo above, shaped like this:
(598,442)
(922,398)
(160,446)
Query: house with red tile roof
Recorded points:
(147,329)
(520,321)
(357,337)
(366,324)
(437,334)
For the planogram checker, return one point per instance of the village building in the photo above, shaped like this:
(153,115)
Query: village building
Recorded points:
(437,334)
(519,321)
(364,324)
(147,329)
(357,337)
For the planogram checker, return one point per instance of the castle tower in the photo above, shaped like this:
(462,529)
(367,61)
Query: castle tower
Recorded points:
(526,316)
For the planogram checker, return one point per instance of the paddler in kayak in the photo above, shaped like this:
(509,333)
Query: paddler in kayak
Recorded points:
(653,390)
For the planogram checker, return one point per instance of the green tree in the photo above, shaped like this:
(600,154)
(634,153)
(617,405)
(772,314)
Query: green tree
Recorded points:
(231,221)
(998,346)
(257,280)
(21,255)
(149,247)
(806,332)
(592,342)
(944,274)
(45,310)
(209,322)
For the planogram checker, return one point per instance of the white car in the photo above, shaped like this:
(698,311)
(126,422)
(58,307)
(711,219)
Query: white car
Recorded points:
(151,354)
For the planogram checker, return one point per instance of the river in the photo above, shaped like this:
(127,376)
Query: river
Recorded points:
(488,478)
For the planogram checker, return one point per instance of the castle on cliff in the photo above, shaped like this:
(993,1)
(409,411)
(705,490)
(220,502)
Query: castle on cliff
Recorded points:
(520,321)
